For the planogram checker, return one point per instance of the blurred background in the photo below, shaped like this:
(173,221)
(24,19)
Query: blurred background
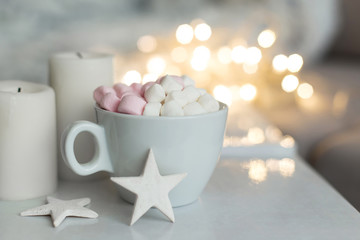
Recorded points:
(295,61)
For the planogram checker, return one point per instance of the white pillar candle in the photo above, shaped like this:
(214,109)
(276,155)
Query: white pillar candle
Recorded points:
(28,166)
(74,77)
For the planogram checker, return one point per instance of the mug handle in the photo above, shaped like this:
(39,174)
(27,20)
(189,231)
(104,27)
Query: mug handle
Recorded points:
(99,162)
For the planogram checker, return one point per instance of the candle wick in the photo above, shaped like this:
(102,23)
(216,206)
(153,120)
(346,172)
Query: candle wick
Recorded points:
(19,89)
(79,55)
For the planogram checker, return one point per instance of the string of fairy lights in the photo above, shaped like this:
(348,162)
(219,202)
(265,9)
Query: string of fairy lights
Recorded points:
(224,64)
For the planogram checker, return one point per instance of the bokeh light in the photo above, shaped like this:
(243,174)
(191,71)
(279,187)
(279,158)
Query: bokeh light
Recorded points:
(156,65)
(200,58)
(290,83)
(238,54)
(305,91)
(257,170)
(256,135)
(202,32)
(253,55)
(131,76)
(280,63)
(248,92)
(266,38)
(250,68)
(287,142)
(150,77)
(223,94)
(286,167)
(147,44)
(295,63)
(184,34)
(202,52)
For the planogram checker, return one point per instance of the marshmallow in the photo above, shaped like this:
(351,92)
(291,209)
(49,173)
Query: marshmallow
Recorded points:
(155,93)
(136,87)
(208,103)
(178,79)
(121,89)
(131,104)
(201,91)
(193,108)
(170,83)
(191,94)
(152,109)
(100,92)
(129,93)
(145,87)
(171,108)
(187,81)
(177,96)
(110,102)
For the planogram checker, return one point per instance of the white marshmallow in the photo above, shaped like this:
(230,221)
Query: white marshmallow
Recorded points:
(193,108)
(188,81)
(171,108)
(209,103)
(155,93)
(170,84)
(201,91)
(152,109)
(191,94)
(177,96)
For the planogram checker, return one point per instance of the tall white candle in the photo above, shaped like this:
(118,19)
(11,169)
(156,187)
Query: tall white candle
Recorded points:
(74,77)
(28,166)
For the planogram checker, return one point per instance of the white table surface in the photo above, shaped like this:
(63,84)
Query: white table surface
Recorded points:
(280,204)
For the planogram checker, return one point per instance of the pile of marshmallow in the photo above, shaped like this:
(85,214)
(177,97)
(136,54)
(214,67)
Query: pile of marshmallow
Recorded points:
(168,96)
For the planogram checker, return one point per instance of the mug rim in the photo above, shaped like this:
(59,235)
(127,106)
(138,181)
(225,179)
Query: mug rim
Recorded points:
(222,109)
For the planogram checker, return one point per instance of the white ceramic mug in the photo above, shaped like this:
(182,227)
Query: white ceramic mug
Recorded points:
(190,144)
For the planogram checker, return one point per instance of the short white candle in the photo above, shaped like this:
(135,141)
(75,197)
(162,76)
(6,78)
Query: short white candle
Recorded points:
(74,77)
(28,166)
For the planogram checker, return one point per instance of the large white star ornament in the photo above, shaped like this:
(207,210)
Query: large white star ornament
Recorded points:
(151,189)
(60,209)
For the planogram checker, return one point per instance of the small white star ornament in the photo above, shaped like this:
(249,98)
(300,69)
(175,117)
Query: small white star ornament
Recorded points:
(60,209)
(151,189)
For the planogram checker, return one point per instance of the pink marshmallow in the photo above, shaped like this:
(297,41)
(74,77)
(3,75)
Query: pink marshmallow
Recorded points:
(158,81)
(130,93)
(110,102)
(131,104)
(100,92)
(145,87)
(136,87)
(121,88)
